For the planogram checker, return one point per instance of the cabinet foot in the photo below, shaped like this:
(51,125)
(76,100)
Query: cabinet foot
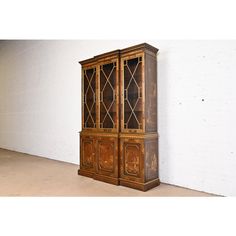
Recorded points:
(85,173)
(140,186)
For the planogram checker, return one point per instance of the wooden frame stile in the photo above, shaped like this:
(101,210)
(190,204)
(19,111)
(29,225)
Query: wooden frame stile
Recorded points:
(86,136)
(144,91)
(98,97)
(82,99)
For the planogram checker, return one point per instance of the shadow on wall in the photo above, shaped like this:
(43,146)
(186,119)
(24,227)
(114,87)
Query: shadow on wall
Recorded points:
(164,154)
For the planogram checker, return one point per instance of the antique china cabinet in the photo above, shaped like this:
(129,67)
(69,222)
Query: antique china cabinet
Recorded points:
(119,139)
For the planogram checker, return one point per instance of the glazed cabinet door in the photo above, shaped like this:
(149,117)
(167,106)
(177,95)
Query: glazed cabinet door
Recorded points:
(132,93)
(108,95)
(89,98)
(87,153)
(107,156)
(131,159)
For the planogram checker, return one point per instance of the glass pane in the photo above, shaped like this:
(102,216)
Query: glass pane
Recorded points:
(108,96)
(90,98)
(133,93)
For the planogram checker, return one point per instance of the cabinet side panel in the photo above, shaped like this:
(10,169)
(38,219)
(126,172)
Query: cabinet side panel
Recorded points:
(151,159)
(151,93)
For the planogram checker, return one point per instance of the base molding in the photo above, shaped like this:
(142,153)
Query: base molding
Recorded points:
(107,179)
(140,186)
(85,173)
(119,181)
(103,178)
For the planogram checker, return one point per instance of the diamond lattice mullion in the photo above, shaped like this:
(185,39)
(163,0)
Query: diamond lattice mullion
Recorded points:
(132,109)
(107,111)
(107,79)
(136,118)
(109,117)
(111,72)
(133,118)
(132,74)
(89,80)
(131,78)
(110,92)
(89,113)
(85,76)
(105,86)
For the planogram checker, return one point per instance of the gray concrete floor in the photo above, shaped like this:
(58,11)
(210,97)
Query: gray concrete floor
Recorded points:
(26,175)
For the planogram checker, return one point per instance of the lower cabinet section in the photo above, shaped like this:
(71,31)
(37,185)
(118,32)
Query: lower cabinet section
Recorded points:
(107,156)
(99,158)
(151,159)
(107,160)
(131,162)
(87,156)
(139,163)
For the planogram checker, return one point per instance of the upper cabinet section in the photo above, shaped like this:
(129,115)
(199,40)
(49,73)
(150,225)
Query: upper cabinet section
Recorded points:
(138,82)
(101,93)
(89,97)
(132,93)
(120,91)
(108,92)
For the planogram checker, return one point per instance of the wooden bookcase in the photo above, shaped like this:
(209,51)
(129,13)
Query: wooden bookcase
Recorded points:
(119,139)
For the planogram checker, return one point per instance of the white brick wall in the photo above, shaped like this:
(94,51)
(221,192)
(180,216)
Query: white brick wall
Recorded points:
(40,105)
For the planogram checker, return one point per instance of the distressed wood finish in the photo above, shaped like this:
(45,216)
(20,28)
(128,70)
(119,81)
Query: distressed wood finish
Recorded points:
(139,162)
(151,91)
(151,159)
(119,142)
(131,159)
(107,159)
(99,156)
(87,155)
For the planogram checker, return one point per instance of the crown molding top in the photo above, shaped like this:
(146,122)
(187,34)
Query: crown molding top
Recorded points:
(142,46)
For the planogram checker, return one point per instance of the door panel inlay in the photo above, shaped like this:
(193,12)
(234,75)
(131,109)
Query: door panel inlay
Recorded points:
(106,156)
(132,154)
(88,153)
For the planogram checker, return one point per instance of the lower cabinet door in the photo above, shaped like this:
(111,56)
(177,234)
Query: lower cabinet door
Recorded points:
(87,161)
(131,159)
(107,156)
